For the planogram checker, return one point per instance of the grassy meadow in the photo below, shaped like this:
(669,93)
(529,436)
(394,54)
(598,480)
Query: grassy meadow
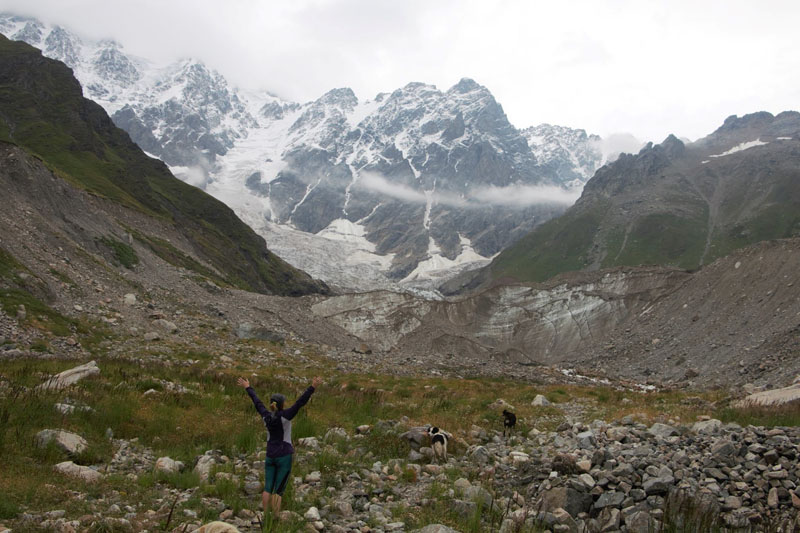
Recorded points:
(211,412)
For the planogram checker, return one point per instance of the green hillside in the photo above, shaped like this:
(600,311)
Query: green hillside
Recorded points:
(673,205)
(43,111)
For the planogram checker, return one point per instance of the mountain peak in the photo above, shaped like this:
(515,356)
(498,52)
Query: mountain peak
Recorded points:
(62,45)
(467,85)
(673,146)
(342,97)
(735,122)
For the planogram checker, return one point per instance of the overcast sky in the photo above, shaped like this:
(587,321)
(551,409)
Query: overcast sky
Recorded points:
(641,66)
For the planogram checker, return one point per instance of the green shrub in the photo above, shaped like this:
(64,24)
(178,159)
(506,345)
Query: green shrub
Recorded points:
(123,253)
(386,445)
(8,509)
(180,480)
(40,345)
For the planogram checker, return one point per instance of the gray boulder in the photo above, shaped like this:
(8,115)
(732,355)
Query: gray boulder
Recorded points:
(85,473)
(663,430)
(69,442)
(609,499)
(247,330)
(435,528)
(586,440)
(540,401)
(165,325)
(707,427)
(480,455)
(658,485)
(168,465)
(571,500)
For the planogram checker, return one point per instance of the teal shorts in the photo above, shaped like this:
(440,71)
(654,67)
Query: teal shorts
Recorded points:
(276,474)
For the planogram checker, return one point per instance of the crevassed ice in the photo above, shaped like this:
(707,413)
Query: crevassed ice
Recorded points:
(436,263)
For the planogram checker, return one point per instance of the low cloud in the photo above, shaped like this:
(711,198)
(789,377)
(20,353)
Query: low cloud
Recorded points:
(377,183)
(510,196)
(196,175)
(618,143)
(524,195)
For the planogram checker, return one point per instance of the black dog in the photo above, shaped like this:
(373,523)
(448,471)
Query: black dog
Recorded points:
(509,421)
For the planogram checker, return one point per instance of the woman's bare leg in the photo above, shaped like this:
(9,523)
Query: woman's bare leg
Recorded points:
(265,501)
(276,503)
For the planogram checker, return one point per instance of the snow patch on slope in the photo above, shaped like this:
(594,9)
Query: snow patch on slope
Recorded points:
(741,147)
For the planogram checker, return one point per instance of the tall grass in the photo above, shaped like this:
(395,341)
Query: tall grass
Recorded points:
(755,415)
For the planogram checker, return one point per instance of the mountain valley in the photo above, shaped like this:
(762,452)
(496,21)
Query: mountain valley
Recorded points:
(627,332)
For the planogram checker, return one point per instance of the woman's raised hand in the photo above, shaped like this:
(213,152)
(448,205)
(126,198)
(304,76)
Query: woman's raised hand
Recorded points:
(316,382)
(243,382)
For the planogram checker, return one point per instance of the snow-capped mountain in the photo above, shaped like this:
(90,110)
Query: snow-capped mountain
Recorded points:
(571,154)
(407,185)
(183,113)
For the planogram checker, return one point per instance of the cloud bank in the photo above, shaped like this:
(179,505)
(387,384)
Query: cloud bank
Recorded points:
(516,195)
(651,68)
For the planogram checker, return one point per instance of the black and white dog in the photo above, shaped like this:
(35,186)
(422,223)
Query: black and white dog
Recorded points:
(509,421)
(439,439)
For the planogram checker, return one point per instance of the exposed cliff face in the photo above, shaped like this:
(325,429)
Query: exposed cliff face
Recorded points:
(733,321)
(540,325)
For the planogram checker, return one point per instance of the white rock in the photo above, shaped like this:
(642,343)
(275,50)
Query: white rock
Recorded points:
(519,457)
(168,465)
(707,427)
(165,325)
(129,299)
(69,442)
(587,480)
(71,376)
(436,528)
(771,397)
(335,433)
(501,404)
(540,401)
(309,442)
(67,409)
(216,527)
(82,472)
(312,515)
(203,466)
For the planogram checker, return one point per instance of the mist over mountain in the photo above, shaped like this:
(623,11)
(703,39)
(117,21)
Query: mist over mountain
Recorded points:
(408,186)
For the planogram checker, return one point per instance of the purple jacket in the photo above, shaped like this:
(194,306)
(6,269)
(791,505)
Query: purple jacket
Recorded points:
(278,423)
